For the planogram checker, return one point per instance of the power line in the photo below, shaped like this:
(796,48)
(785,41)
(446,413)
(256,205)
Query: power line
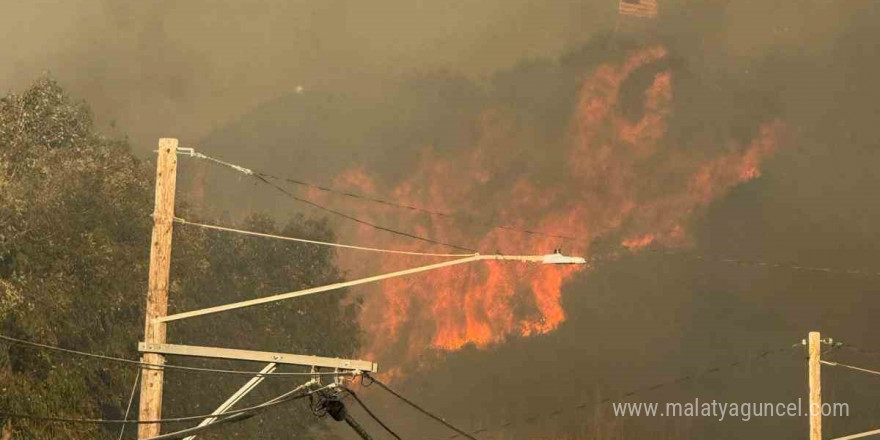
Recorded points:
(357,428)
(363,197)
(738,261)
(861,350)
(370,413)
(286,397)
(420,409)
(230,416)
(148,366)
(759,263)
(357,220)
(238,415)
(456,216)
(445,215)
(264,179)
(721,259)
(183,433)
(641,390)
(838,364)
(316,242)
(192,153)
(278,400)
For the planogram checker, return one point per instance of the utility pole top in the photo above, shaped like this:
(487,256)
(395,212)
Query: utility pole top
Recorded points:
(814,342)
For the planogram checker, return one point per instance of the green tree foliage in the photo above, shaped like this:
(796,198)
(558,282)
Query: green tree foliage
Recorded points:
(74,237)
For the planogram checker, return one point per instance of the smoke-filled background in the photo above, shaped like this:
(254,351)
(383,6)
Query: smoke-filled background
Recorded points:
(720,130)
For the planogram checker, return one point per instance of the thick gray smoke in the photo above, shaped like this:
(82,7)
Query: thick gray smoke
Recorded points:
(167,68)
(383,79)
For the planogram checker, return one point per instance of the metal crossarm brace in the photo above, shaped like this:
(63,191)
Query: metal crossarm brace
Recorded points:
(238,395)
(555,258)
(258,356)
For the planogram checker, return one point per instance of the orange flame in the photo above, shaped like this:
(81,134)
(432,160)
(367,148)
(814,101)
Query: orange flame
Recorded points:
(622,178)
(638,242)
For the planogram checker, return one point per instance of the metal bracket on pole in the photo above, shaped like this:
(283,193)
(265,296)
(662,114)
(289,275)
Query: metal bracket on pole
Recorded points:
(259,356)
(246,388)
(555,258)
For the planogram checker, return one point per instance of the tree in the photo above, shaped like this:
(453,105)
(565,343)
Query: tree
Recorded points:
(74,243)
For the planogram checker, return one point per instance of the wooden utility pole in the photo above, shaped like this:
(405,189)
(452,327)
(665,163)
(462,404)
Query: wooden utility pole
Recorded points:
(157,291)
(815,369)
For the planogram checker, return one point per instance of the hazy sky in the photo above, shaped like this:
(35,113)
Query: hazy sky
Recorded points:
(170,68)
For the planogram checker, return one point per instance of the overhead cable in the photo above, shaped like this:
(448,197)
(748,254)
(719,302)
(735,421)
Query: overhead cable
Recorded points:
(447,215)
(149,366)
(264,179)
(264,176)
(421,410)
(286,397)
(758,263)
(371,414)
(644,389)
(838,364)
(184,433)
(316,242)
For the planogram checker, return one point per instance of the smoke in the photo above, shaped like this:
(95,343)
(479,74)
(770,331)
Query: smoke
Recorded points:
(181,69)
(753,137)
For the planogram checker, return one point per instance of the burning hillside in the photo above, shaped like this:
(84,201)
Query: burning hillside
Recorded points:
(622,179)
